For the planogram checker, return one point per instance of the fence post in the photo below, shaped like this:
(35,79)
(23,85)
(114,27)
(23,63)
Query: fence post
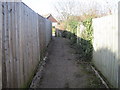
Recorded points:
(78,31)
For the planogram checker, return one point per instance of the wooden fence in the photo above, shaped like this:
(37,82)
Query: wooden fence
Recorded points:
(105,43)
(24,35)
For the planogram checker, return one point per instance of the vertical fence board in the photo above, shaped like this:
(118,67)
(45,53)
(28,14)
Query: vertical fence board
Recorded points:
(21,44)
(105,55)
(0,45)
(4,79)
(6,47)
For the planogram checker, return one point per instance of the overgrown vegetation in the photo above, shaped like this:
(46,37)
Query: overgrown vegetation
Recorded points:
(53,30)
(86,40)
(84,46)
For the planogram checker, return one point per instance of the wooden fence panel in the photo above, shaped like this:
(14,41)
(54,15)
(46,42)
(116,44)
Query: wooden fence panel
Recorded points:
(105,55)
(23,35)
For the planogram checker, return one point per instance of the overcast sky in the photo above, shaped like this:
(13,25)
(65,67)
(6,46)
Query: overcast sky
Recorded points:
(47,6)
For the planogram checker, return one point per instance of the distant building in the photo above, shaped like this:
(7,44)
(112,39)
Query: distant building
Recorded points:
(52,19)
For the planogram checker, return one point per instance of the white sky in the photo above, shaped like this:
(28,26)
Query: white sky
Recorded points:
(41,6)
(47,6)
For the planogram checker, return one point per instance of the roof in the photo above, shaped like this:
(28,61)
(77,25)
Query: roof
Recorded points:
(50,17)
(47,15)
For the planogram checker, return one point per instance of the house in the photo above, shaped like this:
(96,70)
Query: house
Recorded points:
(52,19)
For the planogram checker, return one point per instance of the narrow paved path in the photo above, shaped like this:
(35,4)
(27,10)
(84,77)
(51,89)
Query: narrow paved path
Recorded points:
(61,70)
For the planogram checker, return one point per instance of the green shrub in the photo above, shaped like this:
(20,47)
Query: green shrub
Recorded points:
(73,38)
(89,30)
(64,34)
(86,40)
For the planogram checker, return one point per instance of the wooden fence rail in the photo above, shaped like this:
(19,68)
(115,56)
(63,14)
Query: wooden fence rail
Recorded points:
(24,35)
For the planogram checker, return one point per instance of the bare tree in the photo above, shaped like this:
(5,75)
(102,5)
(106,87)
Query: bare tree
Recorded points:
(65,8)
